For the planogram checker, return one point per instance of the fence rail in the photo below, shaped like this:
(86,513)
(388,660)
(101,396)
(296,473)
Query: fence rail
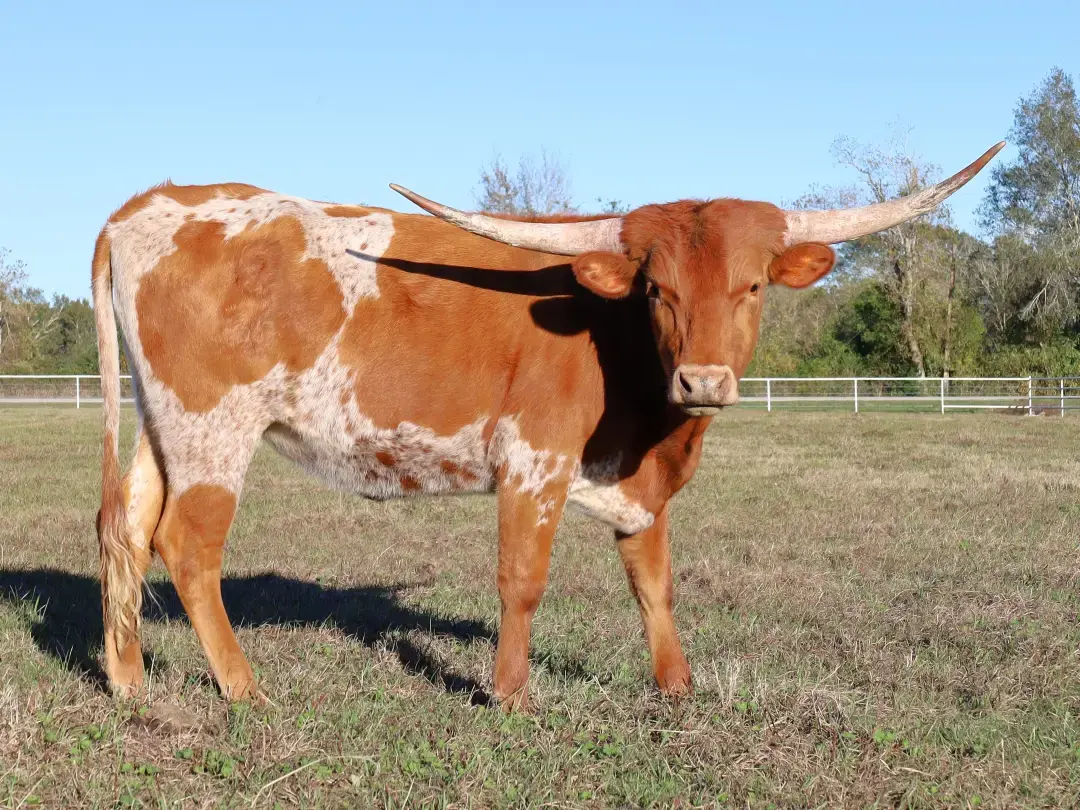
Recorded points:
(57,389)
(1030,395)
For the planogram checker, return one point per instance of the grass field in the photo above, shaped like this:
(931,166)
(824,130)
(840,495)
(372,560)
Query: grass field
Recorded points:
(880,611)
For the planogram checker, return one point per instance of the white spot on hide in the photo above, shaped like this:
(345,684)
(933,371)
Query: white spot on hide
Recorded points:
(596,492)
(528,470)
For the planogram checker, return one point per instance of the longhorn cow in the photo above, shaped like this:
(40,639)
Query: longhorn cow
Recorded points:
(565,361)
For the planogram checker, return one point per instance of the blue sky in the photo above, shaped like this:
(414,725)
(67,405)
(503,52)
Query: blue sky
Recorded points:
(644,102)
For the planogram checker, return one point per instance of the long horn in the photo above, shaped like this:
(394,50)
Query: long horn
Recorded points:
(562,238)
(842,224)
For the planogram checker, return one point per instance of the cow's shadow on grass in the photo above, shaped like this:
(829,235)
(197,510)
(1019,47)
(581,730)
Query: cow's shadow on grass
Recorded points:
(65,617)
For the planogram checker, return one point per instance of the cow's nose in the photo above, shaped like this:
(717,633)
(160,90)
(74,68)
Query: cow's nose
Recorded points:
(703,389)
(689,383)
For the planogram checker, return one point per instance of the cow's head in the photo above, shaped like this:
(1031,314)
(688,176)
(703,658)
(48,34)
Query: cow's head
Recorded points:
(704,267)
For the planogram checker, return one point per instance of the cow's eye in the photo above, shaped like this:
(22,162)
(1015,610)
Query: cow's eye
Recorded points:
(754,287)
(652,290)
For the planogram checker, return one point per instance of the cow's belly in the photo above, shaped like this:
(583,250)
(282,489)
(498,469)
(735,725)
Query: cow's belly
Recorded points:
(380,464)
(410,460)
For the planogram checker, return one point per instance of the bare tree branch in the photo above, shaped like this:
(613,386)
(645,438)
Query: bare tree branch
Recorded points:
(538,187)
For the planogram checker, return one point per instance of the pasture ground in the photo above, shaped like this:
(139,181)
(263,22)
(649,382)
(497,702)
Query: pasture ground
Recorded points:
(879,610)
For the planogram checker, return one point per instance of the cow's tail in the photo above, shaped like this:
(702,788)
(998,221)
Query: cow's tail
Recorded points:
(121,582)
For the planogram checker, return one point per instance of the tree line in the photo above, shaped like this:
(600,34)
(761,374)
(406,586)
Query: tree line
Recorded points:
(927,299)
(922,299)
(40,335)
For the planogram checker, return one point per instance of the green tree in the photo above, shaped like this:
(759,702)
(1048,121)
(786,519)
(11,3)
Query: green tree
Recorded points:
(1032,207)
(871,325)
(909,262)
(1039,192)
(793,326)
(16,314)
(39,336)
(69,344)
(996,282)
(950,325)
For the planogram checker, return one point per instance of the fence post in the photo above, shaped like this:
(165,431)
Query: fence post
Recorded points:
(768,395)
(1061,382)
(78,393)
(856,395)
(943,395)
(1031,410)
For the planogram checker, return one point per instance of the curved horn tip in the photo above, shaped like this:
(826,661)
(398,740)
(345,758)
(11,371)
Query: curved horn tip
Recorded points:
(989,153)
(418,200)
(970,171)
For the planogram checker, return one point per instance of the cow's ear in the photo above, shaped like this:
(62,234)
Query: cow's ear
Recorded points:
(609,275)
(802,265)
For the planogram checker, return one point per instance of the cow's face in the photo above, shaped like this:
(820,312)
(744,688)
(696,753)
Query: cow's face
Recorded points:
(704,268)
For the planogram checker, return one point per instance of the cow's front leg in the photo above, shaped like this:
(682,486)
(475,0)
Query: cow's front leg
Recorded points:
(527,521)
(648,566)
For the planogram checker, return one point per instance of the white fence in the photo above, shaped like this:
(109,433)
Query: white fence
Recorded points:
(1030,395)
(57,389)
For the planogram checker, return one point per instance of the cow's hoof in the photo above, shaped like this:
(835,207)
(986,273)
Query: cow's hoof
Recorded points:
(674,682)
(125,689)
(515,702)
(245,692)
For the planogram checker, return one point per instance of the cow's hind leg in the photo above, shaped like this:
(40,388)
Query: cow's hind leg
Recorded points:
(647,559)
(125,558)
(191,541)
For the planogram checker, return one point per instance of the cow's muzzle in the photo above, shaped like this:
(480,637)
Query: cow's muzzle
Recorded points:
(703,390)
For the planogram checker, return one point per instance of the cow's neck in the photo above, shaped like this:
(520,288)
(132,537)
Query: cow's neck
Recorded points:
(664,441)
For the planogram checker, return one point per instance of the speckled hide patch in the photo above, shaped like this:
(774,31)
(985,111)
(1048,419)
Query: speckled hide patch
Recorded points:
(327,434)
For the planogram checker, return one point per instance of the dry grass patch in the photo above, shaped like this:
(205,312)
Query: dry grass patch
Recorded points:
(880,611)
